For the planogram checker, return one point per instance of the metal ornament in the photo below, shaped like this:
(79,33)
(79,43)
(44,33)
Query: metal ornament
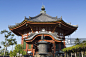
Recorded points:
(26,24)
(59,25)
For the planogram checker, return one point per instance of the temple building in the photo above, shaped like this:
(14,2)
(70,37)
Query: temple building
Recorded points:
(53,29)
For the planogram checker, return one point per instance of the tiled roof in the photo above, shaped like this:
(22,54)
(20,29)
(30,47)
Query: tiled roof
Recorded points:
(45,32)
(43,17)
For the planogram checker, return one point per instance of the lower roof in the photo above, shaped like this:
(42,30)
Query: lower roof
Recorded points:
(43,32)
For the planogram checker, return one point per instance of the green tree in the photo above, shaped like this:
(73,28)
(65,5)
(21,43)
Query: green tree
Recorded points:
(84,41)
(12,42)
(8,39)
(77,41)
(18,49)
(2,52)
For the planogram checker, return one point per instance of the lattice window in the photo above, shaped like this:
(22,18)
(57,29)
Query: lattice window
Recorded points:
(62,45)
(57,46)
(36,28)
(49,28)
(29,46)
(39,28)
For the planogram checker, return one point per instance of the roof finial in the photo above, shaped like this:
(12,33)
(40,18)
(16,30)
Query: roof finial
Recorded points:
(43,9)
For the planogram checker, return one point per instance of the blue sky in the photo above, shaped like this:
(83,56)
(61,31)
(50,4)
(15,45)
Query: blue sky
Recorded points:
(13,11)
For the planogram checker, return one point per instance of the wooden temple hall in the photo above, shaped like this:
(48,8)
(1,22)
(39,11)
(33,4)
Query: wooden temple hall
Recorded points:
(53,29)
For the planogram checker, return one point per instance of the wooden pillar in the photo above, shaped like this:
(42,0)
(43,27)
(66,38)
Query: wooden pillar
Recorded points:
(64,43)
(54,48)
(26,47)
(53,52)
(32,48)
(22,40)
(33,52)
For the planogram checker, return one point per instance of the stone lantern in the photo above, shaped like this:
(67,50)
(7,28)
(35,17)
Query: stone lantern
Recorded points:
(43,47)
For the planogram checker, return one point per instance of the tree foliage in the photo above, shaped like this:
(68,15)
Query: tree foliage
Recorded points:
(9,39)
(2,52)
(80,46)
(77,41)
(18,49)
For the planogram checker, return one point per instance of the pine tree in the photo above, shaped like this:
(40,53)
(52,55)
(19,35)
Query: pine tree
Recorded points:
(9,39)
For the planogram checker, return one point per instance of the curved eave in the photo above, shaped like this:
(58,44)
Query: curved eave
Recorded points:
(17,25)
(69,33)
(17,33)
(26,21)
(43,33)
(71,27)
(15,28)
(74,26)
(29,22)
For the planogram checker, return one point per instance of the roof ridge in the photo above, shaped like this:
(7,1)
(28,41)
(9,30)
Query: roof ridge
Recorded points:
(51,16)
(36,16)
(45,15)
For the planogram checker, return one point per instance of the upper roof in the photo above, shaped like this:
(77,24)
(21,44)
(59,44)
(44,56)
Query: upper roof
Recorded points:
(43,17)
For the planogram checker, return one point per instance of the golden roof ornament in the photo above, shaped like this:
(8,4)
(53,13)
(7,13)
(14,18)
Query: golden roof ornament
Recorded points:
(43,9)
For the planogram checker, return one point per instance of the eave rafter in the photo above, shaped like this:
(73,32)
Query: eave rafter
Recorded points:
(55,22)
(18,26)
(17,33)
(66,25)
(63,24)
